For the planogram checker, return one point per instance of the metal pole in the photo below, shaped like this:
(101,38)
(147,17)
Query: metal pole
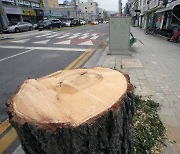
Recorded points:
(3,16)
(120,9)
(75,7)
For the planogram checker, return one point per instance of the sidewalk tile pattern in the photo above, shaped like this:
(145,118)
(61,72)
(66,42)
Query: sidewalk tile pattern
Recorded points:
(158,78)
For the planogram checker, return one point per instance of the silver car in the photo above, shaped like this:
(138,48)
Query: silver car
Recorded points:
(18,27)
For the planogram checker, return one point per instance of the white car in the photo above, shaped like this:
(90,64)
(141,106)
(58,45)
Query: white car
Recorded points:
(82,22)
(105,22)
(68,23)
(96,22)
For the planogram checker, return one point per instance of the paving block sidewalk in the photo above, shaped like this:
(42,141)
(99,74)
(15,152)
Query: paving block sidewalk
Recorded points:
(154,69)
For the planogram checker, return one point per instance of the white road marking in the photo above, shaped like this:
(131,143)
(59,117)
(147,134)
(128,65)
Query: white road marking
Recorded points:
(84,37)
(87,43)
(64,42)
(66,35)
(42,48)
(77,34)
(73,36)
(42,42)
(21,41)
(53,35)
(49,33)
(11,47)
(94,34)
(89,31)
(16,55)
(94,37)
(85,34)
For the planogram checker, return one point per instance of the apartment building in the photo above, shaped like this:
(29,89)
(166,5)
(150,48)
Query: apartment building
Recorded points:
(89,10)
(101,14)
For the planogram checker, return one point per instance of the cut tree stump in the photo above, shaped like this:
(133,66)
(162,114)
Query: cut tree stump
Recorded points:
(78,111)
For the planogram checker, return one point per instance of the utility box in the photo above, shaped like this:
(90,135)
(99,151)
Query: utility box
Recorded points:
(119,36)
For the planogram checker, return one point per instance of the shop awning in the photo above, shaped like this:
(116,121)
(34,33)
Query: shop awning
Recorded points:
(166,9)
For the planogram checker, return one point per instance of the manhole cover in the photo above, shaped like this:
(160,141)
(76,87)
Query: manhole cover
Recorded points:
(131,63)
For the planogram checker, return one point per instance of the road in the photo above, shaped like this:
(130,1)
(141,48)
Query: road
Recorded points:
(33,55)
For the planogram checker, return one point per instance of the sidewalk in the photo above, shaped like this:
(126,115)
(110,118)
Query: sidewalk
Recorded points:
(154,69)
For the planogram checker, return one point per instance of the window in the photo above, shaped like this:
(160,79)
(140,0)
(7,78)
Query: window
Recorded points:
(20,2)
(91,3)
(35,4)
(27,3)
(11,1)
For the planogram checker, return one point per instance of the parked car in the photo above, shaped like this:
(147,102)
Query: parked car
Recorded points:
(35,26)
(49,24)
(95,22)
(105,22)
(67,23)
(18,27)
(63,24)
(82,22)
(75,22)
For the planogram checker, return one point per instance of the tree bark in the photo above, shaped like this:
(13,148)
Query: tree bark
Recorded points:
(103,130)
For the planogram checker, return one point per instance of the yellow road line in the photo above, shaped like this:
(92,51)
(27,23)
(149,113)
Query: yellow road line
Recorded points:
(90,52)
(4,126)
(77,60)
(7,140)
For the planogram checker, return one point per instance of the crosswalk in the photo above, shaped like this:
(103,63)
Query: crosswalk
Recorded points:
(63,38)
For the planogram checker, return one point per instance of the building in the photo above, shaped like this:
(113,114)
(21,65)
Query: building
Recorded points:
(51,9)
(89,10)
(160,14)
(67,11)
(168,17)
(101,14)
(20,10)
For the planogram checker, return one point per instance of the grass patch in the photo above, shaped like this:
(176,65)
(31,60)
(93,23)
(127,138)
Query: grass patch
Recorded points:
(149,131)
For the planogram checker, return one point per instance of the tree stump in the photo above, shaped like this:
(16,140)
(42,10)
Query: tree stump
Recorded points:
(76,111)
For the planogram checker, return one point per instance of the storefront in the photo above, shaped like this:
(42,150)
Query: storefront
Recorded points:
(151,17)
(16,14)
(170,17)
(28,15)
(39,15)
(13,13)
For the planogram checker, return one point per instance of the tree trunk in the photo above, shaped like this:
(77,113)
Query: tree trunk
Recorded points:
(86,111)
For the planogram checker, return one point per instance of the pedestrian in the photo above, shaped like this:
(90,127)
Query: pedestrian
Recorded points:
(176,35)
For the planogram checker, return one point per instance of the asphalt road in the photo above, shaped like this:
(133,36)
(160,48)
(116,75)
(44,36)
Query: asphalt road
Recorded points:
(39,54)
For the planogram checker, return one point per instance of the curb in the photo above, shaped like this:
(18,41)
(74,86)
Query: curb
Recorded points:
(98,56)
